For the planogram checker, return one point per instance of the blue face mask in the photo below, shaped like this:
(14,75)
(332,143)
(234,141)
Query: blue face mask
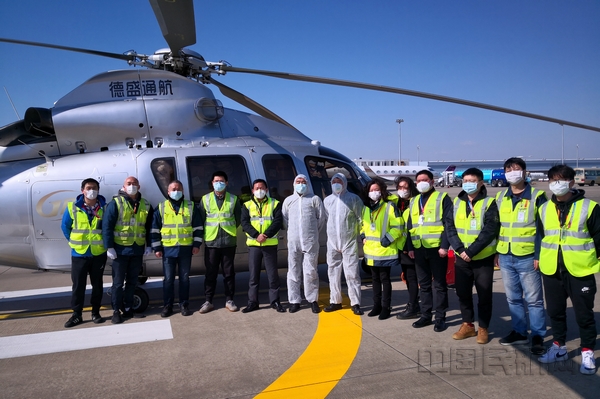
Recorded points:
(219,186)
(176,195)
(337,188)
(300,188)
(470,188)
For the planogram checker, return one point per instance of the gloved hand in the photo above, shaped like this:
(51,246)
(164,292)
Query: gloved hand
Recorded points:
(385,242)
(111,253)
(148,251)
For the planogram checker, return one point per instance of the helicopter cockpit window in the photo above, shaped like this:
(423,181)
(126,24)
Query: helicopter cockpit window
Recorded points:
(321,170)
(279,172)
(200,170)
(163,170)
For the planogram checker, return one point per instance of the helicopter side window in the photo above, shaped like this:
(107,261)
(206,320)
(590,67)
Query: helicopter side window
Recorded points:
(321,170)
(200,170)
(279,172)
(163,170)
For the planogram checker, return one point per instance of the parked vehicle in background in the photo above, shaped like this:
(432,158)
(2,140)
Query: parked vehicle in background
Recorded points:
(498,179)
(589,176)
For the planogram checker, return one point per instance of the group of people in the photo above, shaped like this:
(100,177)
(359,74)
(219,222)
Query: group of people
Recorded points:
(534,241)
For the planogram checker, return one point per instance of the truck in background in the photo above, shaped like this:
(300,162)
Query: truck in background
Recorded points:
(498,179)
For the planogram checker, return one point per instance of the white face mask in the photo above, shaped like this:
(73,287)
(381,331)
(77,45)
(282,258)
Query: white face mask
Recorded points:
(131,190)
(514,176)
(375,195)
(403,194)
(560,187)
(423,186)
(91,194)
(300,188)
(337,188)
(260,194)
(176,195)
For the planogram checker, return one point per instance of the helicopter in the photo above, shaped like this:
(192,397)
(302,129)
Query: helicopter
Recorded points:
(160,122)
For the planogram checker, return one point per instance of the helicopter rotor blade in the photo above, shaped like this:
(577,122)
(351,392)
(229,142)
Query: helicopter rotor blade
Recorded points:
(125,57)
(396,90)
(177,23)
(248,102)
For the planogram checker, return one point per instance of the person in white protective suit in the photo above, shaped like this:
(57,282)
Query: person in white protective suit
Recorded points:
(303,218)
(344,213)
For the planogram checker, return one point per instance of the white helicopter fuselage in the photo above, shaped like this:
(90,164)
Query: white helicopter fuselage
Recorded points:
(156,138)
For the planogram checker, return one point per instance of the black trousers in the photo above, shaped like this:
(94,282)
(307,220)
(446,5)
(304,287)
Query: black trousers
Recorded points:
(481,273)
(382,286)
(215,259)
(582,291)
(412,285)
(255,258)
(430,266)
(80,268)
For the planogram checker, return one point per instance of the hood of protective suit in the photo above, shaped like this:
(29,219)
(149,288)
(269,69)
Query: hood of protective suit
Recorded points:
(344,182)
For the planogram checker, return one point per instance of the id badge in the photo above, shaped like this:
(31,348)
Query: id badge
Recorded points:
(473,224)
(373,227)
(521,216)
(261,221)
(132,222)
(421,219)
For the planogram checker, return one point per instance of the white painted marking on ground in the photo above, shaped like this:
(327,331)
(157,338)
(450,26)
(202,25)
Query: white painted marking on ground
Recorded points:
(84,338)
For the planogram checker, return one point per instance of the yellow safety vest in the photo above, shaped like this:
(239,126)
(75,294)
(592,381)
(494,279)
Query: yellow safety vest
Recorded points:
(130,227)
(215,217)
(574,240)
(176,227)
(83,235)
(261,218)
(468,228)
(377,224)
(517,226)
(427,228)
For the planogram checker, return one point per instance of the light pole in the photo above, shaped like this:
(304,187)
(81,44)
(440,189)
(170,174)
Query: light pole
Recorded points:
(399,122)
(562,158)
(418,155)
(577,156)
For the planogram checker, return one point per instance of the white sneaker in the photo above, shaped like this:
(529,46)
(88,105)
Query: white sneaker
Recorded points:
(555,353)
(588,362)
(230,305)
(206,307)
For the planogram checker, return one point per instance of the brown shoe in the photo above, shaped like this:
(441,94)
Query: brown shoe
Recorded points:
(482,336)
(465,331)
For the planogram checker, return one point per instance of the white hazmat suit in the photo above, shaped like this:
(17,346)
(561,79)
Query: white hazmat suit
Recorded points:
(303,218)
(344,218)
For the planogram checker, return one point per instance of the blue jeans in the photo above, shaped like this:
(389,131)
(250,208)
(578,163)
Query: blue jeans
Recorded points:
(125,272)
(523,284)
(169,266)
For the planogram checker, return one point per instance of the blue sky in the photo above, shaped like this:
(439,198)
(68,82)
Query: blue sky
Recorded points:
(539,56)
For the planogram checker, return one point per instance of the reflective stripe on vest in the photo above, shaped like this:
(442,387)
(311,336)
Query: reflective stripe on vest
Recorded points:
(573,239)
(130,227)
(83,235)
(373,249)
(517,226)
(176,227)
(464,228)
(428,233)
(215,217)
(261,218)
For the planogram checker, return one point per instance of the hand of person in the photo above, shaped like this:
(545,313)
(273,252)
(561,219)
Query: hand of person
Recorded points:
(261,238)
(465,257)
(385,242)
(497,261)
(443,252)
(195,251)
(536,264)
(158,254)
(411,254)
(111,253)
(148,251)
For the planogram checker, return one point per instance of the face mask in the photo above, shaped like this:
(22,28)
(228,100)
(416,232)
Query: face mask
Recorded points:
(131,190)
(219,186)
(337,188)
(176,195)
(470,188)
(91,194)
(514,177)
(560,187)
(423,186)
(403,193)
(300,188)
(260,194)
(375,195)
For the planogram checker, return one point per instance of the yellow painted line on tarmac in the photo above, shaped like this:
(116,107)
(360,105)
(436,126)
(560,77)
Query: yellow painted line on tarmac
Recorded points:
(326,359)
